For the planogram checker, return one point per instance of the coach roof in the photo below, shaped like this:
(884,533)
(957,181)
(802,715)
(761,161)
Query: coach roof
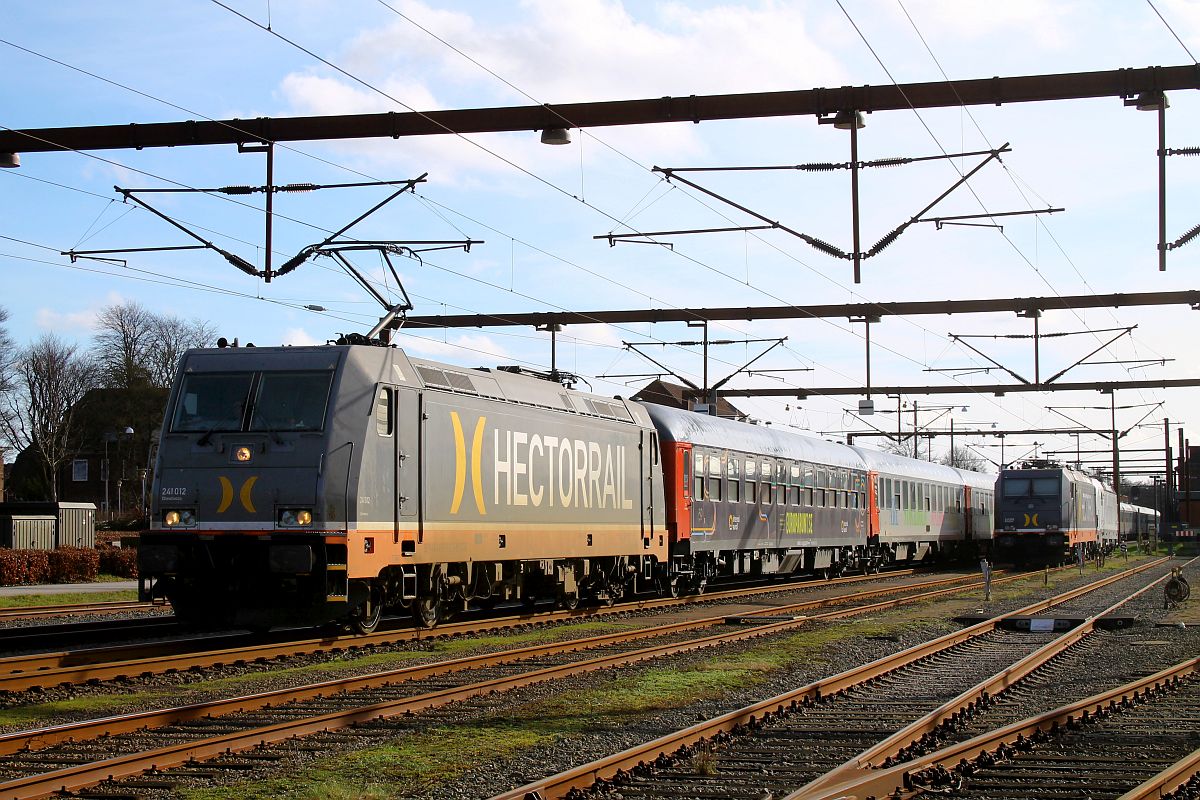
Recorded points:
(701,429)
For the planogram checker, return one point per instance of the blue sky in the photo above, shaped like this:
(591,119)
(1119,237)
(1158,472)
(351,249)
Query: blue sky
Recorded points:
(538,208)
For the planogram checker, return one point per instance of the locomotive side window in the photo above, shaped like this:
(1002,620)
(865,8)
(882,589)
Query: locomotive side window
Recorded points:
(212,402)
(383,412)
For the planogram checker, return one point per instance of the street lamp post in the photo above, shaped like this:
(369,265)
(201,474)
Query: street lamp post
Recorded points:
(108,437)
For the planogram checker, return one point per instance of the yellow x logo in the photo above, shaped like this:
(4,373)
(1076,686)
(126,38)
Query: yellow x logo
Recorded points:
(243,495)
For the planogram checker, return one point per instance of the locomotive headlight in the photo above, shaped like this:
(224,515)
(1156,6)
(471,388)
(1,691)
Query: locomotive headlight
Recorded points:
(179,518)
(242,454)
(295,518)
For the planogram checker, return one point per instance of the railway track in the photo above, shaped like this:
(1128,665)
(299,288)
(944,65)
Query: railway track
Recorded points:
(36,763)
(41,612)
(827,736)
(69,667)
(36,637)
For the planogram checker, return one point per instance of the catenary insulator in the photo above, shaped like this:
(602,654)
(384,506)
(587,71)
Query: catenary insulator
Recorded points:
(1184,151)
(826,247)
(887,162)
(820,166)
(237,190)
(1187,237)
(886,240)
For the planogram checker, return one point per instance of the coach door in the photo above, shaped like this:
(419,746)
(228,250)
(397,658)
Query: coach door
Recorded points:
(648,458)
(872,505)
(968,521)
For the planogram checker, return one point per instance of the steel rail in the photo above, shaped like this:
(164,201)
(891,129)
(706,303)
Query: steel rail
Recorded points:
(1166,781)
(556,786)
(18,673)
(884,782)
(31,612)
(124,723)
(845,776)
(83,775)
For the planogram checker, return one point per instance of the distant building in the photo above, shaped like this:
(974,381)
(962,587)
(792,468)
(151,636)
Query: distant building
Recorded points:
(672,394)
(101,418)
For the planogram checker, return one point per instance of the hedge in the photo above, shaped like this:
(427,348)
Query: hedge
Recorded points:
(65,565)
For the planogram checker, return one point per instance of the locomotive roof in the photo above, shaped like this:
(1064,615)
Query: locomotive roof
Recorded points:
(923,470)
(688,426)
(370,364)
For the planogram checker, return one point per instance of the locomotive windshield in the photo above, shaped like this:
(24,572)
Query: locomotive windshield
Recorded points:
(256,401)
(1035,487)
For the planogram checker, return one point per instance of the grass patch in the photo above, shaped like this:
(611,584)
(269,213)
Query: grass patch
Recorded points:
(32,715)
(28,600)
(399,768)
(462,646)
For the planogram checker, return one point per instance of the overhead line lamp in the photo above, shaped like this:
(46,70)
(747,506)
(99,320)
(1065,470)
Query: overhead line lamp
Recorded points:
(10,160)
(556,136)
(1150,101)
(845,120)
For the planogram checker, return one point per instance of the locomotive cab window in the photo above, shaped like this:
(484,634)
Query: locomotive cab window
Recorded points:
(212,402)
(383,412)
(291,401)
(216,402)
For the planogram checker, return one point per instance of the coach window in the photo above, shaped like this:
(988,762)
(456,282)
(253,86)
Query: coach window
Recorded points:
(780,495)
(765,494)
(735,490)
(383,412)
(751,491)
(928,501)
(714,488)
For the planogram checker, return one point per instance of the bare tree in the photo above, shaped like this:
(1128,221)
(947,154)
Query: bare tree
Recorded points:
(38,412)
(135,347)
(170,337)
(904,446)
(122,343)
(8,354)
(964,458)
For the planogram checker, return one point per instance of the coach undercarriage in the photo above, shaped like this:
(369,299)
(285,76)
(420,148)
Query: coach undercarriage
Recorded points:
(434,592)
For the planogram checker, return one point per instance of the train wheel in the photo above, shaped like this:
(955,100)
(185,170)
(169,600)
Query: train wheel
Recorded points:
(569,600)
(365,618)
(427,611)
(670,586)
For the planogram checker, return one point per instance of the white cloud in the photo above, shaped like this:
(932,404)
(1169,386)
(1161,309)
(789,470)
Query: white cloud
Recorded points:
(74,324)
(579,51)
(299,337)
(459,349)
(71,323)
